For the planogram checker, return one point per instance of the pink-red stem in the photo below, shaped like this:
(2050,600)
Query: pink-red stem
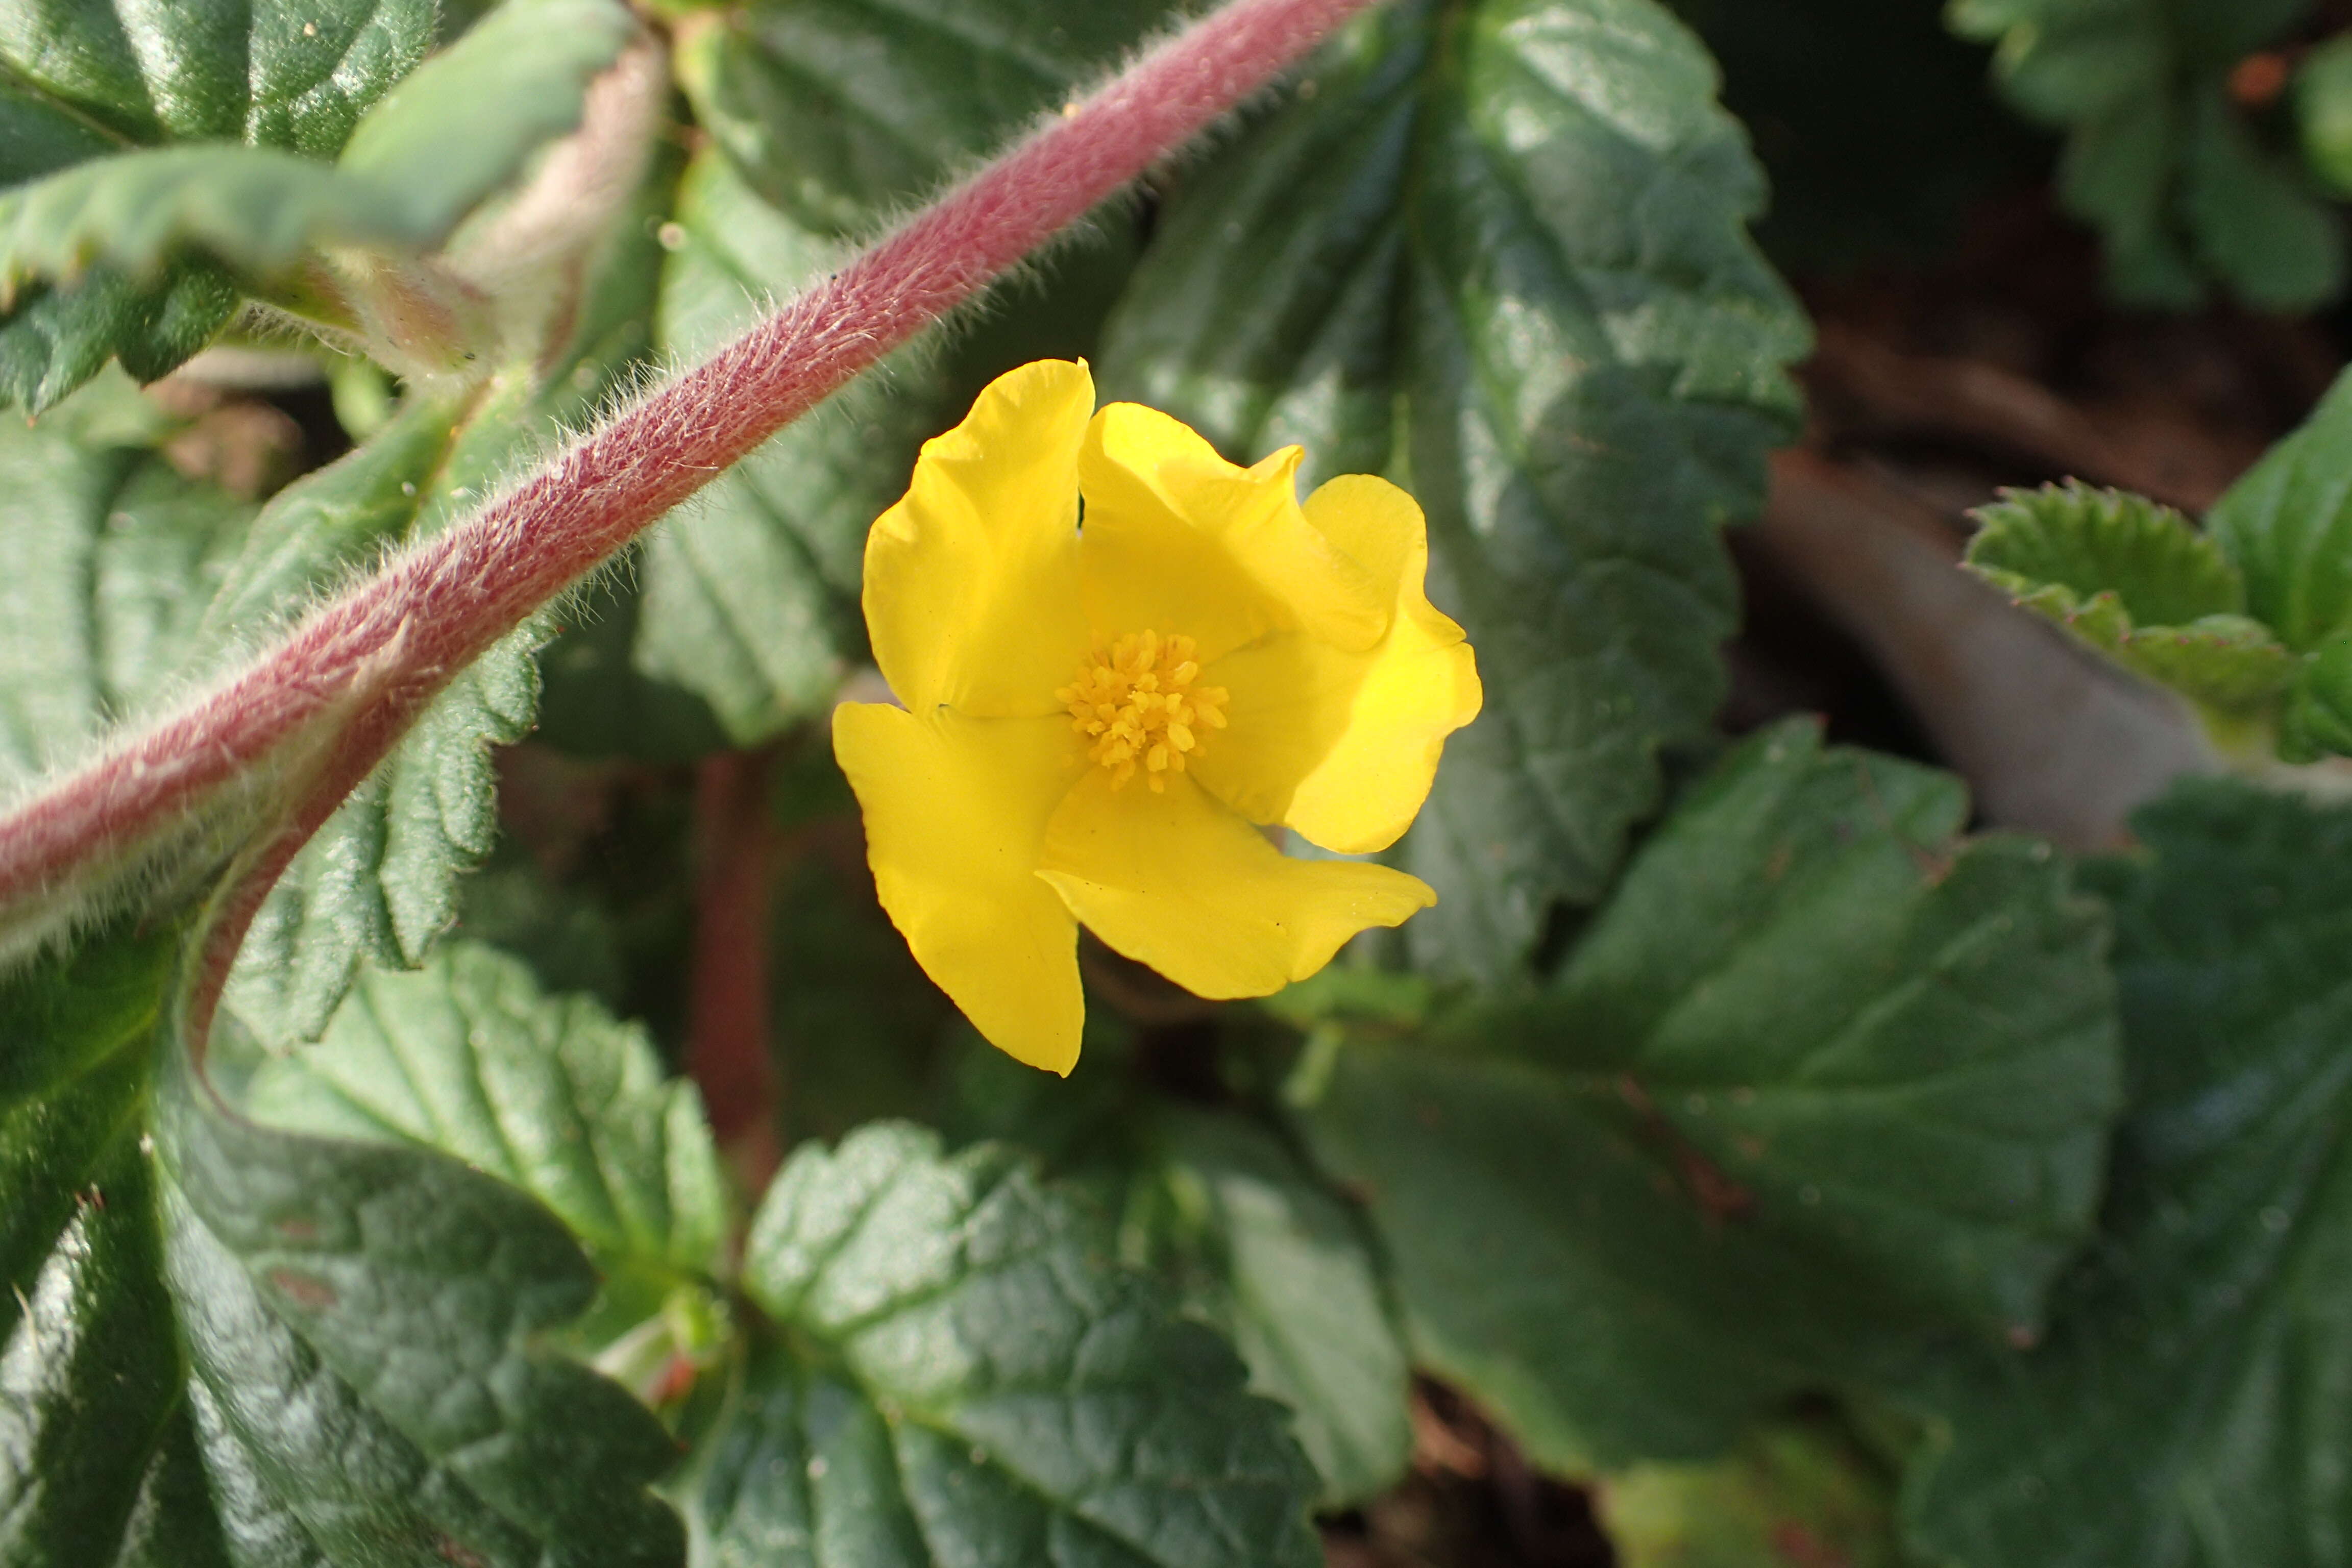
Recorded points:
(379,651)
(735,844)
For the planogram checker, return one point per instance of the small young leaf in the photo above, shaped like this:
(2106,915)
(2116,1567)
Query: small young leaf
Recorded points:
(2157,159)
(1461,260)
(968,1377)
(1817,1077)
(2137,582)
(2176,1413)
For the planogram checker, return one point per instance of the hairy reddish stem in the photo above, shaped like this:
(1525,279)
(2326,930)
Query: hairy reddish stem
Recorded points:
(365,662)
(727,1055)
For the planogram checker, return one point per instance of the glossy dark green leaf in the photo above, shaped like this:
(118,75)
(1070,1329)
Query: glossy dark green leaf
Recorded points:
(2180,1411)
(966,1376)
(58,337)
(273,73)
(1821,1076)
(366,1326)
(840,110)
(222,1343)
(84,82)
(1498,252)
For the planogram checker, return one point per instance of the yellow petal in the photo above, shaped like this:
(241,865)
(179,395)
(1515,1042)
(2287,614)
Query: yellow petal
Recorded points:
(1178,881)
(1343,746)
(956,811)
(971,580)
(1178,540)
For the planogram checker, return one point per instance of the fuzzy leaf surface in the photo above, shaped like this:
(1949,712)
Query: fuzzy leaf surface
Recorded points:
(1500,254)
(2136,582)
(2178,1412)
(968,1377)
(1818,1075)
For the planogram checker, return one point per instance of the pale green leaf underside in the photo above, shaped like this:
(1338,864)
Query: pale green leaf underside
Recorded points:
(1818,1077)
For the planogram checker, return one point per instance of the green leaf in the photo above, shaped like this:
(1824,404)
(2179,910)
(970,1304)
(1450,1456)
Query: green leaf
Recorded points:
(57,338)
(1500,252)
(2177,1412)
(276,73)
(223,1343)
(2181,188)
(747,595)
(839,111)
(966,1376)
(2137,582)
(1792,1494)
(2317,720)
(549,1094)
(85,83)
(112,558)
(2257,222)
(380,877)
(463,125)
(1256,1247)
(1819,1076)
(2286,525)
(2322,110)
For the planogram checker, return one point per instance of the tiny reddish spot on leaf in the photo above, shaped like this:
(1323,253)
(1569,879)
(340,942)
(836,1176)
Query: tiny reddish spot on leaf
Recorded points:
(1795,1544)
(308,1289)
(2258,79)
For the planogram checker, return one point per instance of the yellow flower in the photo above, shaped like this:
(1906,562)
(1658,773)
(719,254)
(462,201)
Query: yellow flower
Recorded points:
(1097,711)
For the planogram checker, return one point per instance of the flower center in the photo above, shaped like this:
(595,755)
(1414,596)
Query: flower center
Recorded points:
(1136,701)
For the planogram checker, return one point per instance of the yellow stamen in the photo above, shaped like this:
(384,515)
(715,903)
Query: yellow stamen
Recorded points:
(1136,699)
